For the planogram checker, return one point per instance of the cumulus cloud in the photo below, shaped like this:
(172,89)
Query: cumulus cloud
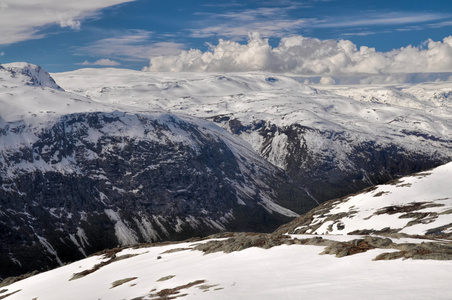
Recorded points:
(309,56)
(327,81)
(22,20)
(101,62)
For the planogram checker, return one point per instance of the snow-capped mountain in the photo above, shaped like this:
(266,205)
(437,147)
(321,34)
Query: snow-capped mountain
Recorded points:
(332,140)
(31,75)
(390,242)
(78,176)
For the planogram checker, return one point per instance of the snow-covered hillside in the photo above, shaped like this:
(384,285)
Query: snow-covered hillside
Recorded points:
(282,272)
(420,204)
(332,140)
(410,259)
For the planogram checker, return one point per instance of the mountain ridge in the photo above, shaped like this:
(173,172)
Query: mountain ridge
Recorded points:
(414,205)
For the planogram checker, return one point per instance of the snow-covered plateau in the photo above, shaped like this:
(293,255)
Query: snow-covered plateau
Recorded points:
(103,158)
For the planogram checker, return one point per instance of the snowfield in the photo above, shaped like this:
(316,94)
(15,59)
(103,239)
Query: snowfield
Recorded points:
(282,272)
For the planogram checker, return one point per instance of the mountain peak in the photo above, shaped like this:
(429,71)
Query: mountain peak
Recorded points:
(32,74)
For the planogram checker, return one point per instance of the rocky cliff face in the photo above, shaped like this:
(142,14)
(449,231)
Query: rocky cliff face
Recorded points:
(331,164)
(76,183)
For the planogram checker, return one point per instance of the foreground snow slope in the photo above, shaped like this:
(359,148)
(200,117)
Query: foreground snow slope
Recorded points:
(281,272)
(420,204)
(332,140)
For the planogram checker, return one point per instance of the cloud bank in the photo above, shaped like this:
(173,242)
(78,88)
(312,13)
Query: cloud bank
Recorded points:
(22,20)
(308,56)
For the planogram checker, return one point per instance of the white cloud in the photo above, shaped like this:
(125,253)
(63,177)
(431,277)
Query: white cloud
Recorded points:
(101,62)
(275,28)
(381,19)
(22,20)
(131,45)
(308,56)
(268,21)
(2,53)
(279,21)
(327,81)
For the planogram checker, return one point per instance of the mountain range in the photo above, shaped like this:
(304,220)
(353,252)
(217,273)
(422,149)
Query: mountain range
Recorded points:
(99,158)
(331,140)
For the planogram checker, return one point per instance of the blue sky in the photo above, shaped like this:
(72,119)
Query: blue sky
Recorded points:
(66,35)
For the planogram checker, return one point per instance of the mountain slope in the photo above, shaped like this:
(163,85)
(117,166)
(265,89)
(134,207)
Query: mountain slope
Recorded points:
(78,177)
(420,204)
(331,140)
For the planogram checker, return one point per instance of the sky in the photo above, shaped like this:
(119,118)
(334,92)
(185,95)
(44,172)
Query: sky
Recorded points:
(300,37)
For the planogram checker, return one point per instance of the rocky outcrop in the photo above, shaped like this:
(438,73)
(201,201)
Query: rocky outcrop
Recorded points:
(436,250)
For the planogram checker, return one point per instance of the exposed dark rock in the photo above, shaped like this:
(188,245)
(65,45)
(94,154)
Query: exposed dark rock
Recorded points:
(241,241)
(109,179)
(328,175)
(439,250)
(424,250)
(341,249)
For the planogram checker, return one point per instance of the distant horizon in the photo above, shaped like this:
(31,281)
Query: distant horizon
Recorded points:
(311,37)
